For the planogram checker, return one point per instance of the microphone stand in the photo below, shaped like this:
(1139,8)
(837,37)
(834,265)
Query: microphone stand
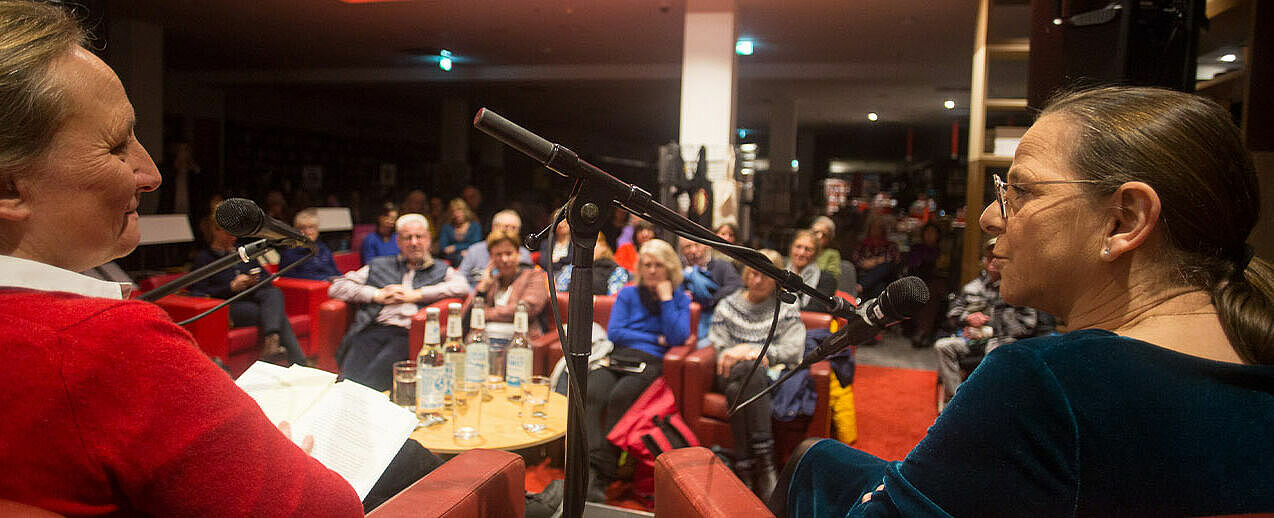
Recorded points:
(593,189)
(244,254)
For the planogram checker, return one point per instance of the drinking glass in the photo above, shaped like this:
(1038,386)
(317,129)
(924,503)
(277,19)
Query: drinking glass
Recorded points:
(404,389)
(466,410)
(535,404)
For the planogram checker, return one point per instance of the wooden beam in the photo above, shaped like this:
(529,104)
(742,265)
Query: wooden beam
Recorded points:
(977,134)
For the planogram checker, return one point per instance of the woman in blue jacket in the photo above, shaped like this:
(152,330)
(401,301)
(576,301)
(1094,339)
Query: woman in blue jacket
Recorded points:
(646,320)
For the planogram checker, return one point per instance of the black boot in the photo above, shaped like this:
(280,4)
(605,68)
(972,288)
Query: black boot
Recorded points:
(763,475)
(597,485)
(745,470)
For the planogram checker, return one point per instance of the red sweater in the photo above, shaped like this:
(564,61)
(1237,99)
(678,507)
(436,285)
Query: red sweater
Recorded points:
(110,409)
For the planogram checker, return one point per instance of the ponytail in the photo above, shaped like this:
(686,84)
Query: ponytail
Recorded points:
(1245,305)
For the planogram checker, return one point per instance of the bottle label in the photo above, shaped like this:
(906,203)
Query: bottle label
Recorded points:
(454,369)
(519,322)
(519,366)
(475,363)
(430,388)
(478,320)
(453,326)
(431,333)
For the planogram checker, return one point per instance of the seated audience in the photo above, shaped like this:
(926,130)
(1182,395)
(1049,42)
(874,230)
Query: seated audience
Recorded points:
(382,242)
(1126,214)
(321,267)
(114,411)
(984,321)
(477,258)
(263,307)
(561,245)
(707,279)
(801,262)
(461,231)
(876,258)
(739,329)
(505,283)
(390,290)
(729,232)
(645,321)
(828,258)
(608,277)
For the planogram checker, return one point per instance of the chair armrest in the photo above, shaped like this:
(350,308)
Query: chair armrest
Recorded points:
(333,320)
(302,296)
(692,482)
(540,352)
(476,483)
(211,333)
(699,375)
(416,333)
(821,421)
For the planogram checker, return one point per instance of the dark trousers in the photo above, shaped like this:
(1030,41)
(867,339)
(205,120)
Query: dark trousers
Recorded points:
(264,308)
(610,394)
(752,422)
(412,462)
(372,353)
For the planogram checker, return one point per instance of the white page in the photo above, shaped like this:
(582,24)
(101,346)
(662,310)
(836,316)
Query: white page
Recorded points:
(267,384)
(357,431)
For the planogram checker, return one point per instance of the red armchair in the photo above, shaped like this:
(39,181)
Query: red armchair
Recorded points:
(476,483)
(706,411)
(334,319)
(693,482)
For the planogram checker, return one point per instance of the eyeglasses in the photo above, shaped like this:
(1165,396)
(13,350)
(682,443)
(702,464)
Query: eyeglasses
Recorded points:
(1002,190)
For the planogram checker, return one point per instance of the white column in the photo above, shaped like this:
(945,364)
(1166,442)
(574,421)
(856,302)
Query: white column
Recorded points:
(708,94)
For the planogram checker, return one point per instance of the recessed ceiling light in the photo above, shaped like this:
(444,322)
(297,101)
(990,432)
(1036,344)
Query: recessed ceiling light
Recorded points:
(444,60)
(744,47)
(1228,58)
(872,116)
(948,104)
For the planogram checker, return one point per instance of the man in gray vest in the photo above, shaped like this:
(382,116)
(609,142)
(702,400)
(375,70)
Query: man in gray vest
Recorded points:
(390,289)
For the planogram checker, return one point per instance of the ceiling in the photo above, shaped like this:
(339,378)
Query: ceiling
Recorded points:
(612,65)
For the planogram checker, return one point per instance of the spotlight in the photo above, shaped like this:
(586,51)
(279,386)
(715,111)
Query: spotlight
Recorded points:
(744,47)
(444,60)
(948,104)
(1228,58)
(872,116)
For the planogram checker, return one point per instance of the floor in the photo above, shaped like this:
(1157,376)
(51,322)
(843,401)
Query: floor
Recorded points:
(894,350)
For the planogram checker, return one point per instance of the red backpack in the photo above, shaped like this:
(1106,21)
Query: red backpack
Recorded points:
(650,427)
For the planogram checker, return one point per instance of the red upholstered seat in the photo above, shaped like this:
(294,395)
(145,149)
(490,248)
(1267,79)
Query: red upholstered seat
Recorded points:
(693,483)
(474,484)
(706,411)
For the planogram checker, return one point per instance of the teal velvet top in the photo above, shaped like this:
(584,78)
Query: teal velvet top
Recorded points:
(1082,424)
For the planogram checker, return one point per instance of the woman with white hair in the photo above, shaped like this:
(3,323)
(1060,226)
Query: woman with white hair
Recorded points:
(828,259)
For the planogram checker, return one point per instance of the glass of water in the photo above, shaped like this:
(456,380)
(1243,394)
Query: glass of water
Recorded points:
(466,410)
(535,404)
(404,389)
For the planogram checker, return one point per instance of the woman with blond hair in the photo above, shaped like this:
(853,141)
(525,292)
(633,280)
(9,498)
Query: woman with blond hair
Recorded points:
(647,319)
(460,233)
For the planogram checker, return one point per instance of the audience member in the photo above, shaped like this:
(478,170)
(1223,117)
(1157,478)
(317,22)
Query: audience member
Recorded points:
(608,276)
(263,308)
(626,254)
(828,258)
(739,329)
(614,226)
(984,321)
(382,242)
(475,261)
(729,232)
(561,245)
(707,279)
(921,261)
(390,290)
(415,203)
(460,231)
(321,267)
(506,283)
(645,321)
(801,261)
(1125,213)
(876,258)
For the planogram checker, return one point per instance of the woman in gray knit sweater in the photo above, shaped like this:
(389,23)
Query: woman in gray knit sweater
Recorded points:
(739,328)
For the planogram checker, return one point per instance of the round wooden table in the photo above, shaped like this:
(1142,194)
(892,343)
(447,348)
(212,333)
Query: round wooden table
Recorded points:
(501,428)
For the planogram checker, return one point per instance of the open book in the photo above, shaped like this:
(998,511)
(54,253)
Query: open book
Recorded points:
(357,430)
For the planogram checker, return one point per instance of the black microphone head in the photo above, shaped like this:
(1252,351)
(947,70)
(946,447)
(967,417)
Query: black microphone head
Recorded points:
(903,298)
(240,217)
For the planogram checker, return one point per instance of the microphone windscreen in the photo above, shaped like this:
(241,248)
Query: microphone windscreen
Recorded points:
(240,217)
(904,297)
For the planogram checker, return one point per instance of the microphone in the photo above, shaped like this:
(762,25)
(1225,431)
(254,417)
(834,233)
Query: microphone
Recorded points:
(900,300)
(243,218)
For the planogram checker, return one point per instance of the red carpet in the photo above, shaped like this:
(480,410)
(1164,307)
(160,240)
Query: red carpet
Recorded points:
(895,407)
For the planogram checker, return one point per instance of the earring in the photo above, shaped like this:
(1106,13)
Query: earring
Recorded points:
(1105,252)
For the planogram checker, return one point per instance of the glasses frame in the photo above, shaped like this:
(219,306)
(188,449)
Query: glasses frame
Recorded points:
(1002,188)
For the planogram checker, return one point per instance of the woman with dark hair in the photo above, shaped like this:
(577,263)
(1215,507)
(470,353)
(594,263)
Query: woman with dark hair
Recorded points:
(876,259)
(645,321)
(921,261)
(1125,214)
(462,231)
(383,241)
(508,283)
